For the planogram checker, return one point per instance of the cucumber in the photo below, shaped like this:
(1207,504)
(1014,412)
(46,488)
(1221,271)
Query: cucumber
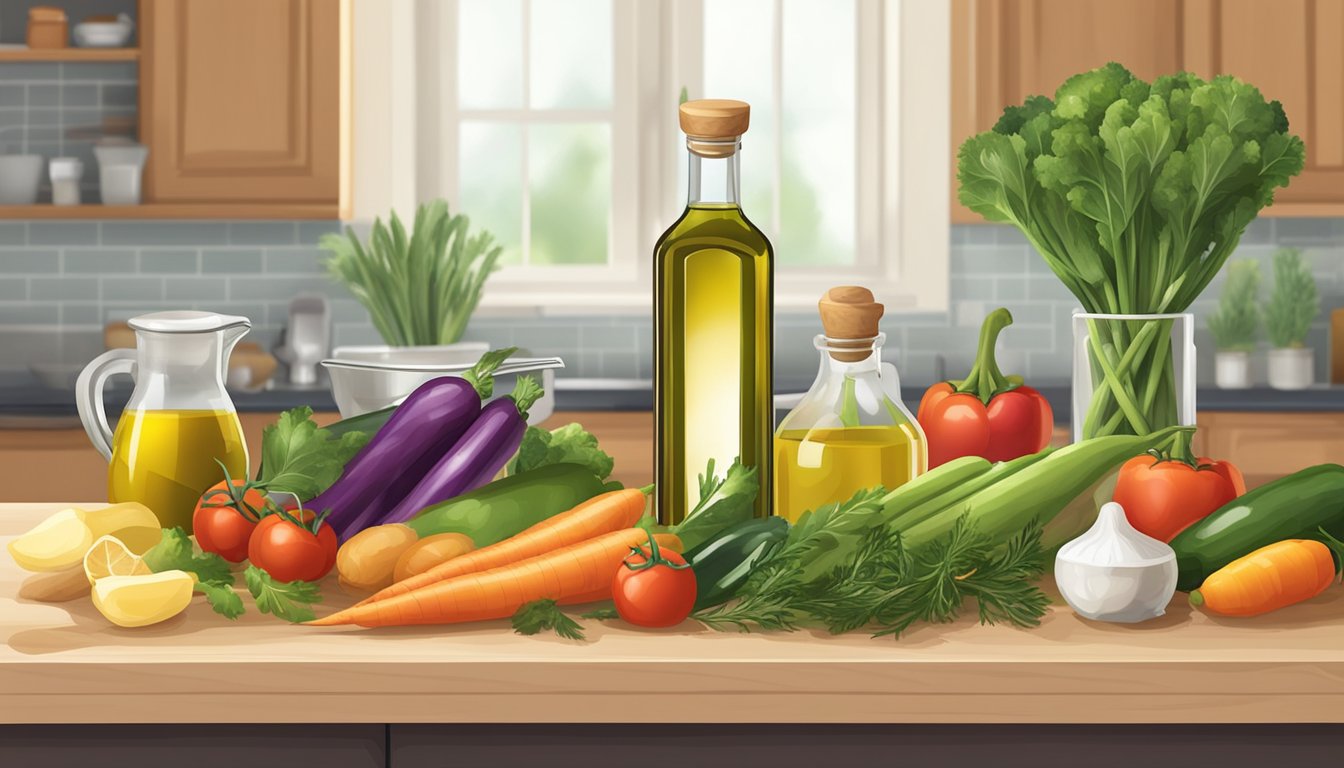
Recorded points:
(1294,507)
(723,564)
(911,515)
(368,423)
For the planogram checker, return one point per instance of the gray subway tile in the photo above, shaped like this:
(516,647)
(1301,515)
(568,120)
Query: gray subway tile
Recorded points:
(311,232)
(972,288)
(306,260)
(13,233)
(62,233)
(79,96)
(81,314)
(1010,289)
(12,96)
(100,70)
(280,288)
(1305,231)
(192,288)
(355,334)
(263,233)
(620,365)
(103,261)
(63,288)
(29,313)
(198,233)
(44,95)
(980,234)
(1047,288)
(604,338)
(982,260)
(13,288)
(170,260)
(550,339)
(29,260)
(30,70)
(348,311)
(231,261)
(120,95)
(131,288)
(1031,314)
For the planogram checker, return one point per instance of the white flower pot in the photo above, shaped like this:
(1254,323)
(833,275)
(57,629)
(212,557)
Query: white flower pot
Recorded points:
(1291,368)
(1232,370)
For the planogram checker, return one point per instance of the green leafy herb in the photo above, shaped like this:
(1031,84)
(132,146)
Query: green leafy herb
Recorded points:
(1134,194)
(175,551)
(541,615)
(222,599)
(604,613)
(1237,319)
(569,444)
(724,501)
(301,458)
(291,601)
(1295,301)
(420,289)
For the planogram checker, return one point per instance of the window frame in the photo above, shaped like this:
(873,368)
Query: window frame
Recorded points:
(902,225)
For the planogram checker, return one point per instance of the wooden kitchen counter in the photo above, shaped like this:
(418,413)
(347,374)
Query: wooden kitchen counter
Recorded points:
(62,663)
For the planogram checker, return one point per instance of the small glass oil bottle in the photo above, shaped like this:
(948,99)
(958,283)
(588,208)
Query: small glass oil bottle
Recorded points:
(850,431)
(713,314)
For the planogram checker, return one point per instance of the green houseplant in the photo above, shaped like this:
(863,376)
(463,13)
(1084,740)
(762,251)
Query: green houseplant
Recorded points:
(1292,305)
(1236,323)
(421,287)
(1135,194)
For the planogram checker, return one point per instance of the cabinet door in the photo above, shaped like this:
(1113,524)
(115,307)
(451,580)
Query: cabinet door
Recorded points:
(1006,50)
(1267,446)
(1291,50)
(241,100)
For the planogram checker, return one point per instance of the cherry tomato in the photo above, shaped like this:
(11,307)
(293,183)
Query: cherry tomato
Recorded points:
(292,552)
(654,588)
(225,518)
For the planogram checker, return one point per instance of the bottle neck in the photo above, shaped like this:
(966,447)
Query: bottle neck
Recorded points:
(714,172)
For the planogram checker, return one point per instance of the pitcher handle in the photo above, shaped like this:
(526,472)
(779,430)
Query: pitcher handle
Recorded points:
(89,395)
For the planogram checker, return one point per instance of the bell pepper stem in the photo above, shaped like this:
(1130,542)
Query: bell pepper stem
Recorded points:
(985,379)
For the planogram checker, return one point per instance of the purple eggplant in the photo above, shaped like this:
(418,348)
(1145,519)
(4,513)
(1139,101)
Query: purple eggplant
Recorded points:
(421,429)
(482,451)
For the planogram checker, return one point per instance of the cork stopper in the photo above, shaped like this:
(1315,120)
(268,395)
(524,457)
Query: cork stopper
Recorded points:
(850,317)
(711,125)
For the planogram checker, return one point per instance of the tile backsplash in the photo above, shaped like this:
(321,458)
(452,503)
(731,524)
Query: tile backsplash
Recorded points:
(60,281)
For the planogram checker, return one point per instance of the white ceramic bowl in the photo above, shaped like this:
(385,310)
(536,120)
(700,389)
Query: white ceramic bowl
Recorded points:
(363,385)
(20,178)
(103,34)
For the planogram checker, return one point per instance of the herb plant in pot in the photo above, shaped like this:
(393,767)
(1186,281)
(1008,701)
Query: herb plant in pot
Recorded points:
(1235,325)
(1288,315)
(1135,194)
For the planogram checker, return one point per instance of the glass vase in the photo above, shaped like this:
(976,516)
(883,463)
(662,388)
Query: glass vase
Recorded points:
(1132,374)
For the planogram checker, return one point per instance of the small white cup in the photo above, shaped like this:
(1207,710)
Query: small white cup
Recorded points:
(65,175)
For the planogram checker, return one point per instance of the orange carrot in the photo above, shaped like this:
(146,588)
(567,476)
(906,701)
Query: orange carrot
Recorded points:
(1267,579)
(581,572)
(601,514)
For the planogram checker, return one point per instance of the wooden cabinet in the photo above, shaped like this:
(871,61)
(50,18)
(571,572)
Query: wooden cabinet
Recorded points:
(1006,50)
(1267,446)
(242,101)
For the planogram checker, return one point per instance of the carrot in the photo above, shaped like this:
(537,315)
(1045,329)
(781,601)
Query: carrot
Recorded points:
(603,513)
(1272,577)
(581,572)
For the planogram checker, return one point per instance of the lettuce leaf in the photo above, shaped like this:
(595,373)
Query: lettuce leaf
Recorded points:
(569,444)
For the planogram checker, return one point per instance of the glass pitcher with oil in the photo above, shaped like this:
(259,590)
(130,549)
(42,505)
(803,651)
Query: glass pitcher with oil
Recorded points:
(850,431)
(179,424)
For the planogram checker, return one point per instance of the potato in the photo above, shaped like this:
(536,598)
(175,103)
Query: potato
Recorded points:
(60,541)
(430,551)
(366,562)
(56,587)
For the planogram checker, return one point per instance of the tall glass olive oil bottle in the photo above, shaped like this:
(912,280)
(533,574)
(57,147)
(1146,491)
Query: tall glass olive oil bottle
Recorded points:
(713,317)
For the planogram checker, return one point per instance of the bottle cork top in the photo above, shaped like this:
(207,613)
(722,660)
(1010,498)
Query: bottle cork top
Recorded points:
(849,314)
(715,119)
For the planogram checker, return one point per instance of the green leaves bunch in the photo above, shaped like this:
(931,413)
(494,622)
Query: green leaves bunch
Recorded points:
(1237,320)
(1294,302)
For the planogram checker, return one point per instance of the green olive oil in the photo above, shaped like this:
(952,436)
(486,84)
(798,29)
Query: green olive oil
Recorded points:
(713,297)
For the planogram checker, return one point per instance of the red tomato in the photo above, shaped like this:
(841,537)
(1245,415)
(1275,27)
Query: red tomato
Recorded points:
(655,588)
(1164,496)
(291,552)
(225,517)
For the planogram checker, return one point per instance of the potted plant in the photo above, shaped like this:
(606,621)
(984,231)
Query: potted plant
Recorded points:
(1235,325)
(1288,315)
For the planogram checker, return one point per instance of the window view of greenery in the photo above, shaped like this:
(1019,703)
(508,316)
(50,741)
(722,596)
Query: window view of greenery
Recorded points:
(537,162)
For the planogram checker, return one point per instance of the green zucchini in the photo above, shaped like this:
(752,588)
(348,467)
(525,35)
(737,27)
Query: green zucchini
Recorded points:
(509,506)
(723,564)
(1294,507)
(368,423)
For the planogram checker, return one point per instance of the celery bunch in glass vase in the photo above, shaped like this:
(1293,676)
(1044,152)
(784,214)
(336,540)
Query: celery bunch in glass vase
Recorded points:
(1135,194)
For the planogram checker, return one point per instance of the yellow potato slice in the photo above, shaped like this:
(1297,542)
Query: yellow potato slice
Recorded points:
(57,543)
(138,601)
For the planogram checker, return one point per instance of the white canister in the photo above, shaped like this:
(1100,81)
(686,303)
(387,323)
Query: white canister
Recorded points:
(1232,370)
(65,175)
(1291,368)
(120,167)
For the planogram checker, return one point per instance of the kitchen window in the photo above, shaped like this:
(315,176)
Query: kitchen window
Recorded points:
(552,123)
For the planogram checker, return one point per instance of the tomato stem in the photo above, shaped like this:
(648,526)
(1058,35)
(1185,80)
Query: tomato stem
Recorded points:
(985,379)
(1178,451)
(237,495)
(652,558)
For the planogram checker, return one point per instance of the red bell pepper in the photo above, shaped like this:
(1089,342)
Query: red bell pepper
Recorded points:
(987,414)
(1164,493)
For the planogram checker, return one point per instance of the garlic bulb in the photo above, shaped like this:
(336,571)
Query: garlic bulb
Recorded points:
(1114,573)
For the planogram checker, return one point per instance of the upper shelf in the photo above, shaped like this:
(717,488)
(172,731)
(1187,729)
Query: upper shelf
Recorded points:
(24,53)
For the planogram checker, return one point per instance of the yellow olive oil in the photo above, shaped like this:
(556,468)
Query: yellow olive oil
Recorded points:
(166,459)
(826,465)
(713,304)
